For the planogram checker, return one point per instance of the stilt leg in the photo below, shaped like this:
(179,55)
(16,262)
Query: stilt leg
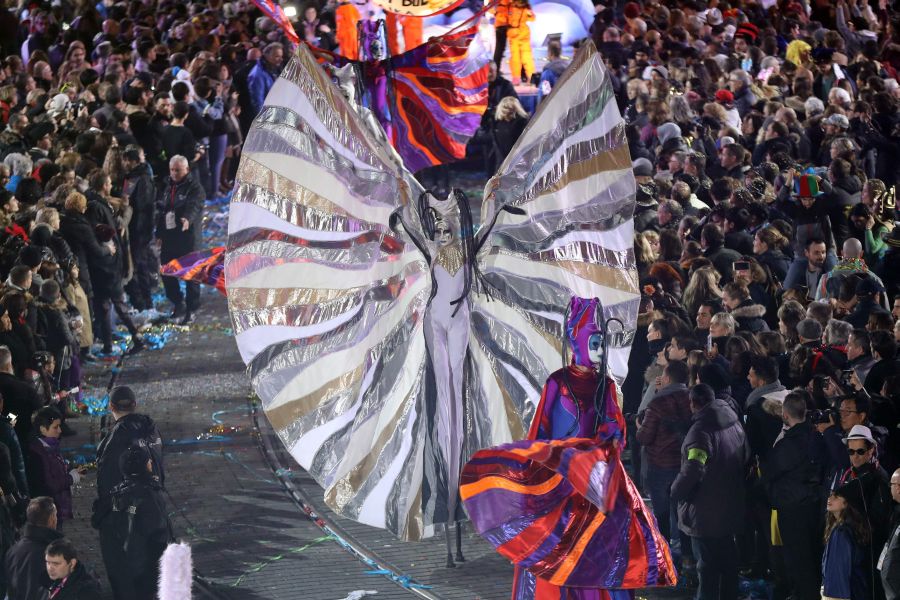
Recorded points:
(459,532)
(450,563)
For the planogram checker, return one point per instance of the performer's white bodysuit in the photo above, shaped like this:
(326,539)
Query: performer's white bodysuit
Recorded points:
(447,337)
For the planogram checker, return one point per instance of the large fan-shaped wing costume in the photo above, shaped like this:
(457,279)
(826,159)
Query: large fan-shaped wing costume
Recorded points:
(336,313)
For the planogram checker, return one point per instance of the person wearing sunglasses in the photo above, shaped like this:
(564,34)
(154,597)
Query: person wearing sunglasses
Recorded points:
(876,491)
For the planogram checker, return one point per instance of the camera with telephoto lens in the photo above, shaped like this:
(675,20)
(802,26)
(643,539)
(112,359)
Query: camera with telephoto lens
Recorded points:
(823,416)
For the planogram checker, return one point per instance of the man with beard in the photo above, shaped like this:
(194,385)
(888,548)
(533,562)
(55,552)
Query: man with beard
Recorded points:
(811,268)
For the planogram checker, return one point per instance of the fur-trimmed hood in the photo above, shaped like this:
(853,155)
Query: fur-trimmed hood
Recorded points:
(749,311)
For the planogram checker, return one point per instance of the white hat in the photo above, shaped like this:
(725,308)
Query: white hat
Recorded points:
(714,16)
(860,432)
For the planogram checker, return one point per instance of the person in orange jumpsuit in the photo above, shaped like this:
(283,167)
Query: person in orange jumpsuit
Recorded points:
(501,25)
(519,34)
(346,16)
(412,31)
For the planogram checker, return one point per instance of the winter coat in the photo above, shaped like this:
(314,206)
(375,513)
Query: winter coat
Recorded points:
(723,260)
(709,487)
(21,356)
(185,199)
(890,566)
(844,566)
(664,424)
(812,222)
(79,234)
(744,99)
(504,135)
(141,193)
(128,430)
(134,548)
(26,567)
(80,585)
(54,332)
(845,193)
(49,474)
(644,217)
(876,489)
(20,399)
(879,372)
(777,262)
(749,317)
(9,439)
(259,82)
(763,419)
(739,241)
(794,469)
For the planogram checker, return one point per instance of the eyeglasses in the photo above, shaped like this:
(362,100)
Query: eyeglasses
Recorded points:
(857,452)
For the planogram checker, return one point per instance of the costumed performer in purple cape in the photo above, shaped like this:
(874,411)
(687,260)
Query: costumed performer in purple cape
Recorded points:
(560,505)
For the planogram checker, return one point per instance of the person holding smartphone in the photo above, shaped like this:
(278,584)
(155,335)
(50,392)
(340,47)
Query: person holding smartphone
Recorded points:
(736,297)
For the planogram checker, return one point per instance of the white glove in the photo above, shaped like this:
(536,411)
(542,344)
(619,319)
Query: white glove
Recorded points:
(76,476)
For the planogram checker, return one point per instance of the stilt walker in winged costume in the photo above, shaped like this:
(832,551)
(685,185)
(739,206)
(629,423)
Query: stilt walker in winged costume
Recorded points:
(561,507)
(389,336)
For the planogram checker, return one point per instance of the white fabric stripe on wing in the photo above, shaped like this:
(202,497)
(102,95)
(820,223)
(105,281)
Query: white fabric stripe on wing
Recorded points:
(246,215)
(576,193)
(596,129)
(553,114)
(618,363)
(365,433)
(490,388)
(311,275)
(373,512)
(285,94)
(305,449)
(534,394)
(619,239)
(327,367)
(256,339)
(561,278)
(514,321)
(324,183)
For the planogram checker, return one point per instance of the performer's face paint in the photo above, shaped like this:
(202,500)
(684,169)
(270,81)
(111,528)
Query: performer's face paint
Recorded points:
(595,348)
(376,49)
(443,235)
(585,335)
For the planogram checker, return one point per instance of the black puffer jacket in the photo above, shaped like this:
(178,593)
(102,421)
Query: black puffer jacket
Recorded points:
(794,470)
(710,486)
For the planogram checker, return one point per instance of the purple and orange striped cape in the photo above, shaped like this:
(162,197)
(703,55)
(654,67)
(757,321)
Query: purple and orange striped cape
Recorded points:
(566,511)
(204,266)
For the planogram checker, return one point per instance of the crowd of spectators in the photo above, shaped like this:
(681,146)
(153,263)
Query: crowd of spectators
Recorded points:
(764,379)
(118,122)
